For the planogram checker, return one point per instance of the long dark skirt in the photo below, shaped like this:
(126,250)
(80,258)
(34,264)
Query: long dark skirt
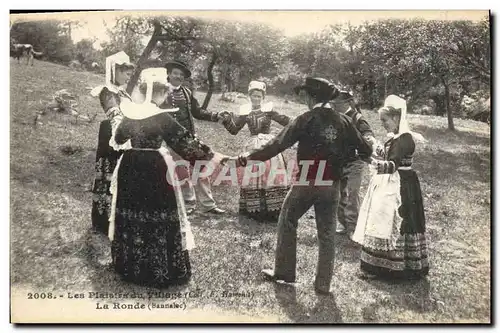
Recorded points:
(263,205)
(258,200)
(105,162)
(410,258)
(147,245)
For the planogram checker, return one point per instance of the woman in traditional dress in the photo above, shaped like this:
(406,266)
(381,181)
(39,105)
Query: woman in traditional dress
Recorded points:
(149,230)
(391,223)
(118,71)
(260,197)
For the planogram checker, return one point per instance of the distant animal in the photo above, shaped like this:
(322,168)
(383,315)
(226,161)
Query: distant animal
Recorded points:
(17,51)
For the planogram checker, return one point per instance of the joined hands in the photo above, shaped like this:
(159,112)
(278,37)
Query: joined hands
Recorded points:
(222,117)
(239,161)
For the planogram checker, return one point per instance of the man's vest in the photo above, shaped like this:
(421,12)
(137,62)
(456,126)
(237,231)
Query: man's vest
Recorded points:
(183,116)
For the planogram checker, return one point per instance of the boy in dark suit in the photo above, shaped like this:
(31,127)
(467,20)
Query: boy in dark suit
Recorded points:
(189,108)
(352,175)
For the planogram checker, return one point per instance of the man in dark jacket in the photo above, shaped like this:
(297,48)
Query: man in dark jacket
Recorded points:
(352,175)
(189,108)
(323,137)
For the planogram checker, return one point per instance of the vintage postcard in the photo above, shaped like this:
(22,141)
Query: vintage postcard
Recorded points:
(249,167)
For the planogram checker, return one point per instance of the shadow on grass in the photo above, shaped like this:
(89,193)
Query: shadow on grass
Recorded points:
(346,250)
(405,294)
(265,233)
(325,309)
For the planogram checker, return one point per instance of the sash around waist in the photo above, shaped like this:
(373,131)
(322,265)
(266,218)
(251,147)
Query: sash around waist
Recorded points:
(145,149)
(261,135)
(182,117)
(181,113)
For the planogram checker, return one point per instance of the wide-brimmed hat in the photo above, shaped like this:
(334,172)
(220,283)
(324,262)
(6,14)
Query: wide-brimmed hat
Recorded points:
(180,65)
(345,95)
(318,87)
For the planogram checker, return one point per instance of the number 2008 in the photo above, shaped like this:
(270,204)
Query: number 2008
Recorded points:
(40,296)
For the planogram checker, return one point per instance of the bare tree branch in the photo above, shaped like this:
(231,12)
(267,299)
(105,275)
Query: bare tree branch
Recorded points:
(210,77)
(178,38)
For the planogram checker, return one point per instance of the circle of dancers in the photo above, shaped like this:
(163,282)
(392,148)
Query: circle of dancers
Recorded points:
(144,192)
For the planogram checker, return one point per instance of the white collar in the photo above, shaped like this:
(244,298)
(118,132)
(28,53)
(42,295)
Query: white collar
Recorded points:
(326,106)
(111,87)
(143,110)
(175,87)
(247,108)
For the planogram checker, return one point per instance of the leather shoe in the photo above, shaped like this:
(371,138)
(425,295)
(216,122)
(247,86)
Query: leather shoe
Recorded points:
(321,291)
(269,275)
(367,276)
(341,229)
(216,210)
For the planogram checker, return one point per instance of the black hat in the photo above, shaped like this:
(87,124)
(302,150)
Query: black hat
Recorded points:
(318,87)
(178,64)
(345,95)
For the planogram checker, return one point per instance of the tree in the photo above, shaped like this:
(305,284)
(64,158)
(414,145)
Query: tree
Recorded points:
(45,36)
(287,77)
(425,56)
(352,63)
(86,53)
(126,35)
(225,47)
(66,27)
(301,51)
(471,48)
(452,60)
(416,59)
(327,50)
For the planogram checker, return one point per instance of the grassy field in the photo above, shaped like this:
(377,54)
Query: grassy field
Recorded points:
(52,248)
